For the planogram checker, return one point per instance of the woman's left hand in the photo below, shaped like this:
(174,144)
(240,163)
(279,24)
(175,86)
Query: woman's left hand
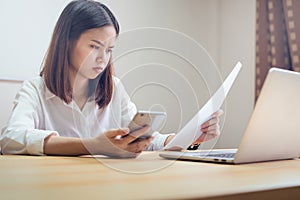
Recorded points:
(210,129)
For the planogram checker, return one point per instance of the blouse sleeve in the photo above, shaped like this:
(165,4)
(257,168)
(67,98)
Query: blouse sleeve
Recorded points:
(128,110)
(21,135)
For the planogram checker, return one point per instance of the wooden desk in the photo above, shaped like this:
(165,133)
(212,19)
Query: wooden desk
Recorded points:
(32,177)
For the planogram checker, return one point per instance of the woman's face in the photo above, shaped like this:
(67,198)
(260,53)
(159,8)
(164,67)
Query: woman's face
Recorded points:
(92,52)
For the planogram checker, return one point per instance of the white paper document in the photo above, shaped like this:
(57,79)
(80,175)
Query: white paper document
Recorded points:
(191,131)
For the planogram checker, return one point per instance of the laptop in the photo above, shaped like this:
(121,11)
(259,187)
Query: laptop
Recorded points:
(273,132)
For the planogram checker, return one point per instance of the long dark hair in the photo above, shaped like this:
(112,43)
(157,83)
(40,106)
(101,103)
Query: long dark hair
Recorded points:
(77,17)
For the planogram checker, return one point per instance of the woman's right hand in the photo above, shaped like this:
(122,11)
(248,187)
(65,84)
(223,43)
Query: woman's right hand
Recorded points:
(118,143)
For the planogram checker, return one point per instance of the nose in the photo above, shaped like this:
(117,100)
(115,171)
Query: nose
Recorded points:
(99,60)
(101,56)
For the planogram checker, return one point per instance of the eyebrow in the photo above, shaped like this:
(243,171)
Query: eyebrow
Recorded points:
(101,43)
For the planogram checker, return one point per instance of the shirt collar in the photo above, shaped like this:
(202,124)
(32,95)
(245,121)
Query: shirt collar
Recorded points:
(48,94)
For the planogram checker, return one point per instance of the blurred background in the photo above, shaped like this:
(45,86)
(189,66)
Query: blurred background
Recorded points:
(171,55)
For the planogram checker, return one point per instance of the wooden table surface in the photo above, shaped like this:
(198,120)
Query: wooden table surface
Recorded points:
(147,177)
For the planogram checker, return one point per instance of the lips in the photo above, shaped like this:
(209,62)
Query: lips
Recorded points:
(98,69)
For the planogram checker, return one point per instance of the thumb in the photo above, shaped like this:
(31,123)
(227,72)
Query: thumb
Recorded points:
(117,132)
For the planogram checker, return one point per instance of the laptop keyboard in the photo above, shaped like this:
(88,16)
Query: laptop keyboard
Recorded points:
(220,155)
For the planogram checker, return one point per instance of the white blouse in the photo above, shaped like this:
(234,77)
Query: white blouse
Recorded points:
(38,113)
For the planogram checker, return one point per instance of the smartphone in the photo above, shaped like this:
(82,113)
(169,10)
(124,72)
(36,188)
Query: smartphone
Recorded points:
(154,119)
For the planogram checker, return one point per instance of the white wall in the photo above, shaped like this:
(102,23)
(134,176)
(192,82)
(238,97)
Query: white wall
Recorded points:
(177,74)
(8,90)
(26,29)
(237,42)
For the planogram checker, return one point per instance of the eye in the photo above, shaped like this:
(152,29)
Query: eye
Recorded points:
(108,50)
(95,46)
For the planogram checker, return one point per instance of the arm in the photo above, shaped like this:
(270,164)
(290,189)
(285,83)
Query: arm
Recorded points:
(55,145)
(109,143)
(21,136)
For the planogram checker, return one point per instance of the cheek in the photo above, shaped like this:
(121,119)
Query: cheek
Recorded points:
(82,57)
(88,57)
(107,58)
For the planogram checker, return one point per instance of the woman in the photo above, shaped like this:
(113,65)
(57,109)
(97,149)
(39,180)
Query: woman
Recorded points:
(77,106)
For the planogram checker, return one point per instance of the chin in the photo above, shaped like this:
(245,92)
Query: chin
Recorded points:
(97,76)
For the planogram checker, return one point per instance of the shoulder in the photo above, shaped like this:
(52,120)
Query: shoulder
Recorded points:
(30,91)
(33,87)
(119,88)
(117,83)
(36,83)
(116,80)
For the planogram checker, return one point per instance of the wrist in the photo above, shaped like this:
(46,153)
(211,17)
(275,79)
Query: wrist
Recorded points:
(56,145)
(169,138)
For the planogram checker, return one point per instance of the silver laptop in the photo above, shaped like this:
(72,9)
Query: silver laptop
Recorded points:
(273,132)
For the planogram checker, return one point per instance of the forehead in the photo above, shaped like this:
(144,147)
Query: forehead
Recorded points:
(105,34)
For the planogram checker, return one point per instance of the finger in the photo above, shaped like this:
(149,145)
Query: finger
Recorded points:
(134,135)
(210,134)
(213,132)
(218,113)
(210,128)
(205,137)
(210,122)
(140,145)
(116,132)
(145,143)
(200,139)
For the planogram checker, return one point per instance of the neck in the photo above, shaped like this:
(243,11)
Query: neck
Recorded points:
(79,85)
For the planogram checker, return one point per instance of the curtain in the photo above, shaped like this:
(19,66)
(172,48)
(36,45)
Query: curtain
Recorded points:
(277,37)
